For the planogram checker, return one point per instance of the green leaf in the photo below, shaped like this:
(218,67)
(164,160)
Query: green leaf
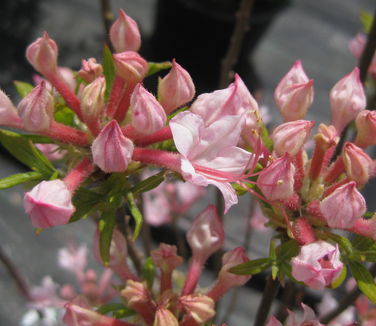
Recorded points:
(155,67)
(149,183)
(366,19)
(252,267)
(265,137)
(364,280)
(16,179)
(23,88)
(38,139)
(286,251)
(344,243)
(363,243)
(65,116)
(184,108)
(25,151)
(135,213)
(339,280)
(108,70)
(118,310)
(106,227)
(148,272)
(85,201)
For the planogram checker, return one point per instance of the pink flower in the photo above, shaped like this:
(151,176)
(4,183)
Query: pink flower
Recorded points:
(347,99)
(343,206)
(8,113)
(73,259)
(164,317)
(273,322)
(130,66)
(45,295)
(90,70)
(176,88)
(317,264)
(309,318)
(328,304)
(124,33)
(148,116)
(209,154)
(51,151)
(112,151)
(294,93)
(49,204)
(366,128)
(36,109)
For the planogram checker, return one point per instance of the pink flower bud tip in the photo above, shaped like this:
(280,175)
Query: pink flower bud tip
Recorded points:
(112,151)
(90,70)
(92,99)
(366,128)
(130,66)
(42,55)
(176,88)
(124,33)
(166,258)
(148,116)
(49,204)
(8,113)
(317,264)
(36,109)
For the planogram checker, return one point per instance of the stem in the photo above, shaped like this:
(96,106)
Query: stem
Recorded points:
(78,174)
(66,134)
(193,275)
(164,159)
(335,170)
(166,280)
(124,103)
(316,162)
(115,95)
(107,20)
(124,273)
(160,135)
(270,291)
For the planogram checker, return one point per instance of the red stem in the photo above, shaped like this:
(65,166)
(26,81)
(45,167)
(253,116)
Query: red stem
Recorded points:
(66,134)
(125,100)
(160,135)
(316,163)
(78,174)
(194,272)
(335,170)
(124,272)
(115,95)
(164,159)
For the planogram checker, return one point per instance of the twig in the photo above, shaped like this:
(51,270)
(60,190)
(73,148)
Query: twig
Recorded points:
(107,18)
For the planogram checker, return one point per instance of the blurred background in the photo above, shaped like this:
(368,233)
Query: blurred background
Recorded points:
(196,33)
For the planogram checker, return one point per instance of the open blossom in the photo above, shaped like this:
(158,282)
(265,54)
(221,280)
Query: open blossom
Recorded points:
(317,264)
(294,93)
(209,154)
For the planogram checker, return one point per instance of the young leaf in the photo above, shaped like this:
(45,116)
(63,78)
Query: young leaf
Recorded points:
(149,183)
(366,19)
(118,310)
(135,213)
(148,272)
(155,67)
(252,267)
(38,139)
(16,179)
(339,280)
(65,116)
(106,227)
(85,201)
(286,251)
(108,70)
(23,88)
(364,280)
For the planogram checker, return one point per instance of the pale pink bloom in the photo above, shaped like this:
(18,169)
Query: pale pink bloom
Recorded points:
(290,137)
(8,113)
(68,76)
(329,303)
(366,128)
(343,206)
(49,204)
(317,264)
(258,219)
(235,100)
(148,116)
(265,114)
(42,55)
(51,151)
(200,307)
(36,109)
(45,295)
(92,99)
(90,70)
(209,154)
(356,46)
(294,93)
(176,88)
(124,33)
(50,316)
(365,227)
(276,181)
(347,99)
(273,322)
(309,318)
(164,317)
(112,151)
(166,258)
(130,66)
(73,259)
(157,209)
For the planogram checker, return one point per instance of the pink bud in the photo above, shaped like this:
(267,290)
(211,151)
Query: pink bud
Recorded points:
(273,322)
(359,166)
(176,88)
(366,128)
(308,319)
(290,137)
(347,99)
(343,206)
(164,317)
(294,93)
(206,234)
(166,258)
(365,227)
(36,109)
(317,264)
(49,204)
(51,151)
(112,151)
(357,44)
(92,99)
(42,55)
(276,181)
(135,293)
(130,66)
(303,231)
(148,116)
(199,307)
(124,33)
(90,70)
(8,113)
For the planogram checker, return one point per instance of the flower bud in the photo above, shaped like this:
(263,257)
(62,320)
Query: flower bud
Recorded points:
(36,109)
(8,113)
(176,88)
(294,93)
(166,258)
(42,55)
(276,181)
(290,137)
(90,70)
(303,231)
(206,234)
(365,227)
(343,206)
(130,66)
(92,99)
(347,99)
(366,128)
(199,307)
(135,293)
(148,116)
(164,317)
(124,33)
(49,204)
(112,151)
(317,264)
(326,137)
(359,166)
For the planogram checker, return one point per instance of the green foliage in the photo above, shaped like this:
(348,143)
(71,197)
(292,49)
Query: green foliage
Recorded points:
(65,116)
(106,226)
(339,280)
(85,202)
(364,280)
(16,179)
(23,88)
(136,214)
(108,70)
(155,67)
(252,267)
(148,272)
(149,183)
(366,19)
(117,310)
